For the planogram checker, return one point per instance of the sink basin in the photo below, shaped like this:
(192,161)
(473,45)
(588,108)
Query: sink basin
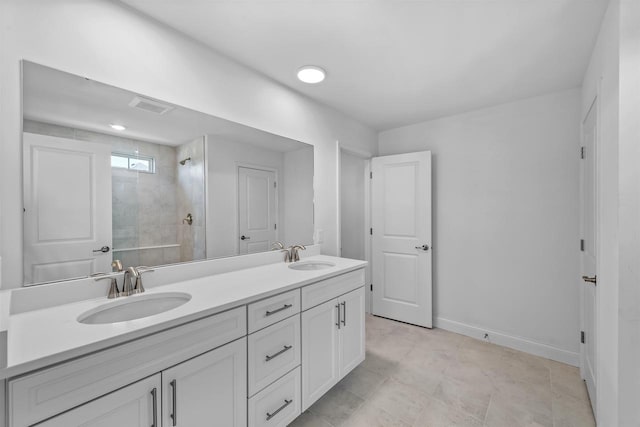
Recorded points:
(134,307)
(311,265)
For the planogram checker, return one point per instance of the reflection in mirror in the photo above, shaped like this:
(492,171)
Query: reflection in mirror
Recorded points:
(111,175)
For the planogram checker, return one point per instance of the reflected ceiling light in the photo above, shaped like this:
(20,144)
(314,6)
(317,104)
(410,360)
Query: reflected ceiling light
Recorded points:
(117,127)
(311,74)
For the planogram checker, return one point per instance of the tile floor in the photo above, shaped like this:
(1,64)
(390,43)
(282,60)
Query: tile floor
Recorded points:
(433,378)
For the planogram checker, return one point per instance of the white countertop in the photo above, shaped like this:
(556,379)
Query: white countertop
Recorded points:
(40,338)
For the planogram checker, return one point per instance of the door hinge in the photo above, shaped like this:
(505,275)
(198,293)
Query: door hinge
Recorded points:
(371,231)
(583,152)
(275,184)
(581,245)
(371,287)
(275,226)
(370,175)
(582,337)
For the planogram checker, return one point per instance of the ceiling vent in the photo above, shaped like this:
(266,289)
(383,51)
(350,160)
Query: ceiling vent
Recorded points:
(150,105)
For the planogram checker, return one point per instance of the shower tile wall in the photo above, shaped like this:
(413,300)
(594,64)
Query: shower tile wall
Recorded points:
(145,206)
(191,199)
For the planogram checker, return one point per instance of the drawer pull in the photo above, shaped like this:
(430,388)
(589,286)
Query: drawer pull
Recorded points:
(286,403)
(174,398)
(273,356)
(284,307)
(154,396)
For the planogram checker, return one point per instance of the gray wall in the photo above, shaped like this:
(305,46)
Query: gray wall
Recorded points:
(506,219)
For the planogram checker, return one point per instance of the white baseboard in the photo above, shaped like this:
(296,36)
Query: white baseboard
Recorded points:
(516,343)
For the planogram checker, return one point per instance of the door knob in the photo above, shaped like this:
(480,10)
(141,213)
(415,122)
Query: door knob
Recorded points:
(423,247)
(588,279)
(103,249)
(245,238)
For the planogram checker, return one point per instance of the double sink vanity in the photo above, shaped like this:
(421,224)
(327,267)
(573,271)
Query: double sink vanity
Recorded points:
(250,347)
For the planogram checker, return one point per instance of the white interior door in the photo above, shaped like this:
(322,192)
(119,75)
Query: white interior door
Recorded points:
(67,208)
(256,210)
(401,244)
(589,291)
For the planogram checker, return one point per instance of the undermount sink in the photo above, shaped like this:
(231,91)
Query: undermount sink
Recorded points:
(134,307)
(311,265)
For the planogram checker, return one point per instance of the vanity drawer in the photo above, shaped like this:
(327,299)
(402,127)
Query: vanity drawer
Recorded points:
(271,310)
(34,397)
(278,404)
(273,351)
(323,291)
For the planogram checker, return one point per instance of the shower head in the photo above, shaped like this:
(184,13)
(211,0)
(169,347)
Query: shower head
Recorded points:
(182,162)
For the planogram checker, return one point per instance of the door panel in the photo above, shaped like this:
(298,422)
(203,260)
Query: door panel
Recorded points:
(401,221)
(589,256)
(319,355)
(131,406)
(256,209)
(352,331)
(67,202)
(210,389)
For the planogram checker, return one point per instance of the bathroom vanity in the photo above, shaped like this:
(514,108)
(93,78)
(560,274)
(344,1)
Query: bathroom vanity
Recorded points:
(250,347)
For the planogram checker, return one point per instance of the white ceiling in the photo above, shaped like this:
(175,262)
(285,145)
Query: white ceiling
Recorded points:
(53,96)
(392,63)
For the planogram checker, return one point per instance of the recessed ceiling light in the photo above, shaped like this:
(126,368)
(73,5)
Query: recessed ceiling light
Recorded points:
(117,127)
(311,74)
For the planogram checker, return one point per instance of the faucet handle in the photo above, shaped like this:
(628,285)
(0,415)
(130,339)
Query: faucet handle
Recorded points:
(138,288)
(114,292)
(116,265)
(104,276)
(277,245)
(294,252)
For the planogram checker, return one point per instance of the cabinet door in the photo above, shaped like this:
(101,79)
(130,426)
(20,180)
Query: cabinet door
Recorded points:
(208,390)
(352,333)
(319,351)
(136,405)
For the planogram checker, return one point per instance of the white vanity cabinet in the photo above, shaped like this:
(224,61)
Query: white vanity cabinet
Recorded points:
(256,364)
(207,390)
(137,405)
(333,343)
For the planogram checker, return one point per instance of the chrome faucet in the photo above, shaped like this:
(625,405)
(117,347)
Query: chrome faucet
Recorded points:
(116,266)
(279,246)
(130,288)
(295,256)
(127,286)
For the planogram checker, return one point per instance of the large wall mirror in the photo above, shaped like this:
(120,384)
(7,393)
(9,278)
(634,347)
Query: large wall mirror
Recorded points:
(113,175)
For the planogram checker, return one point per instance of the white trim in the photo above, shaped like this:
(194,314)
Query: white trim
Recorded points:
(367,236)
(513,342)
(338,199)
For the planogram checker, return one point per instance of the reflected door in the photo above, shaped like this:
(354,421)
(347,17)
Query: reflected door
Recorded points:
(256,210)
(67,208)
(401,243)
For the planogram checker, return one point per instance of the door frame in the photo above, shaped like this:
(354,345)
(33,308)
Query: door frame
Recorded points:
(593,104)
(277,202)
(366,157)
